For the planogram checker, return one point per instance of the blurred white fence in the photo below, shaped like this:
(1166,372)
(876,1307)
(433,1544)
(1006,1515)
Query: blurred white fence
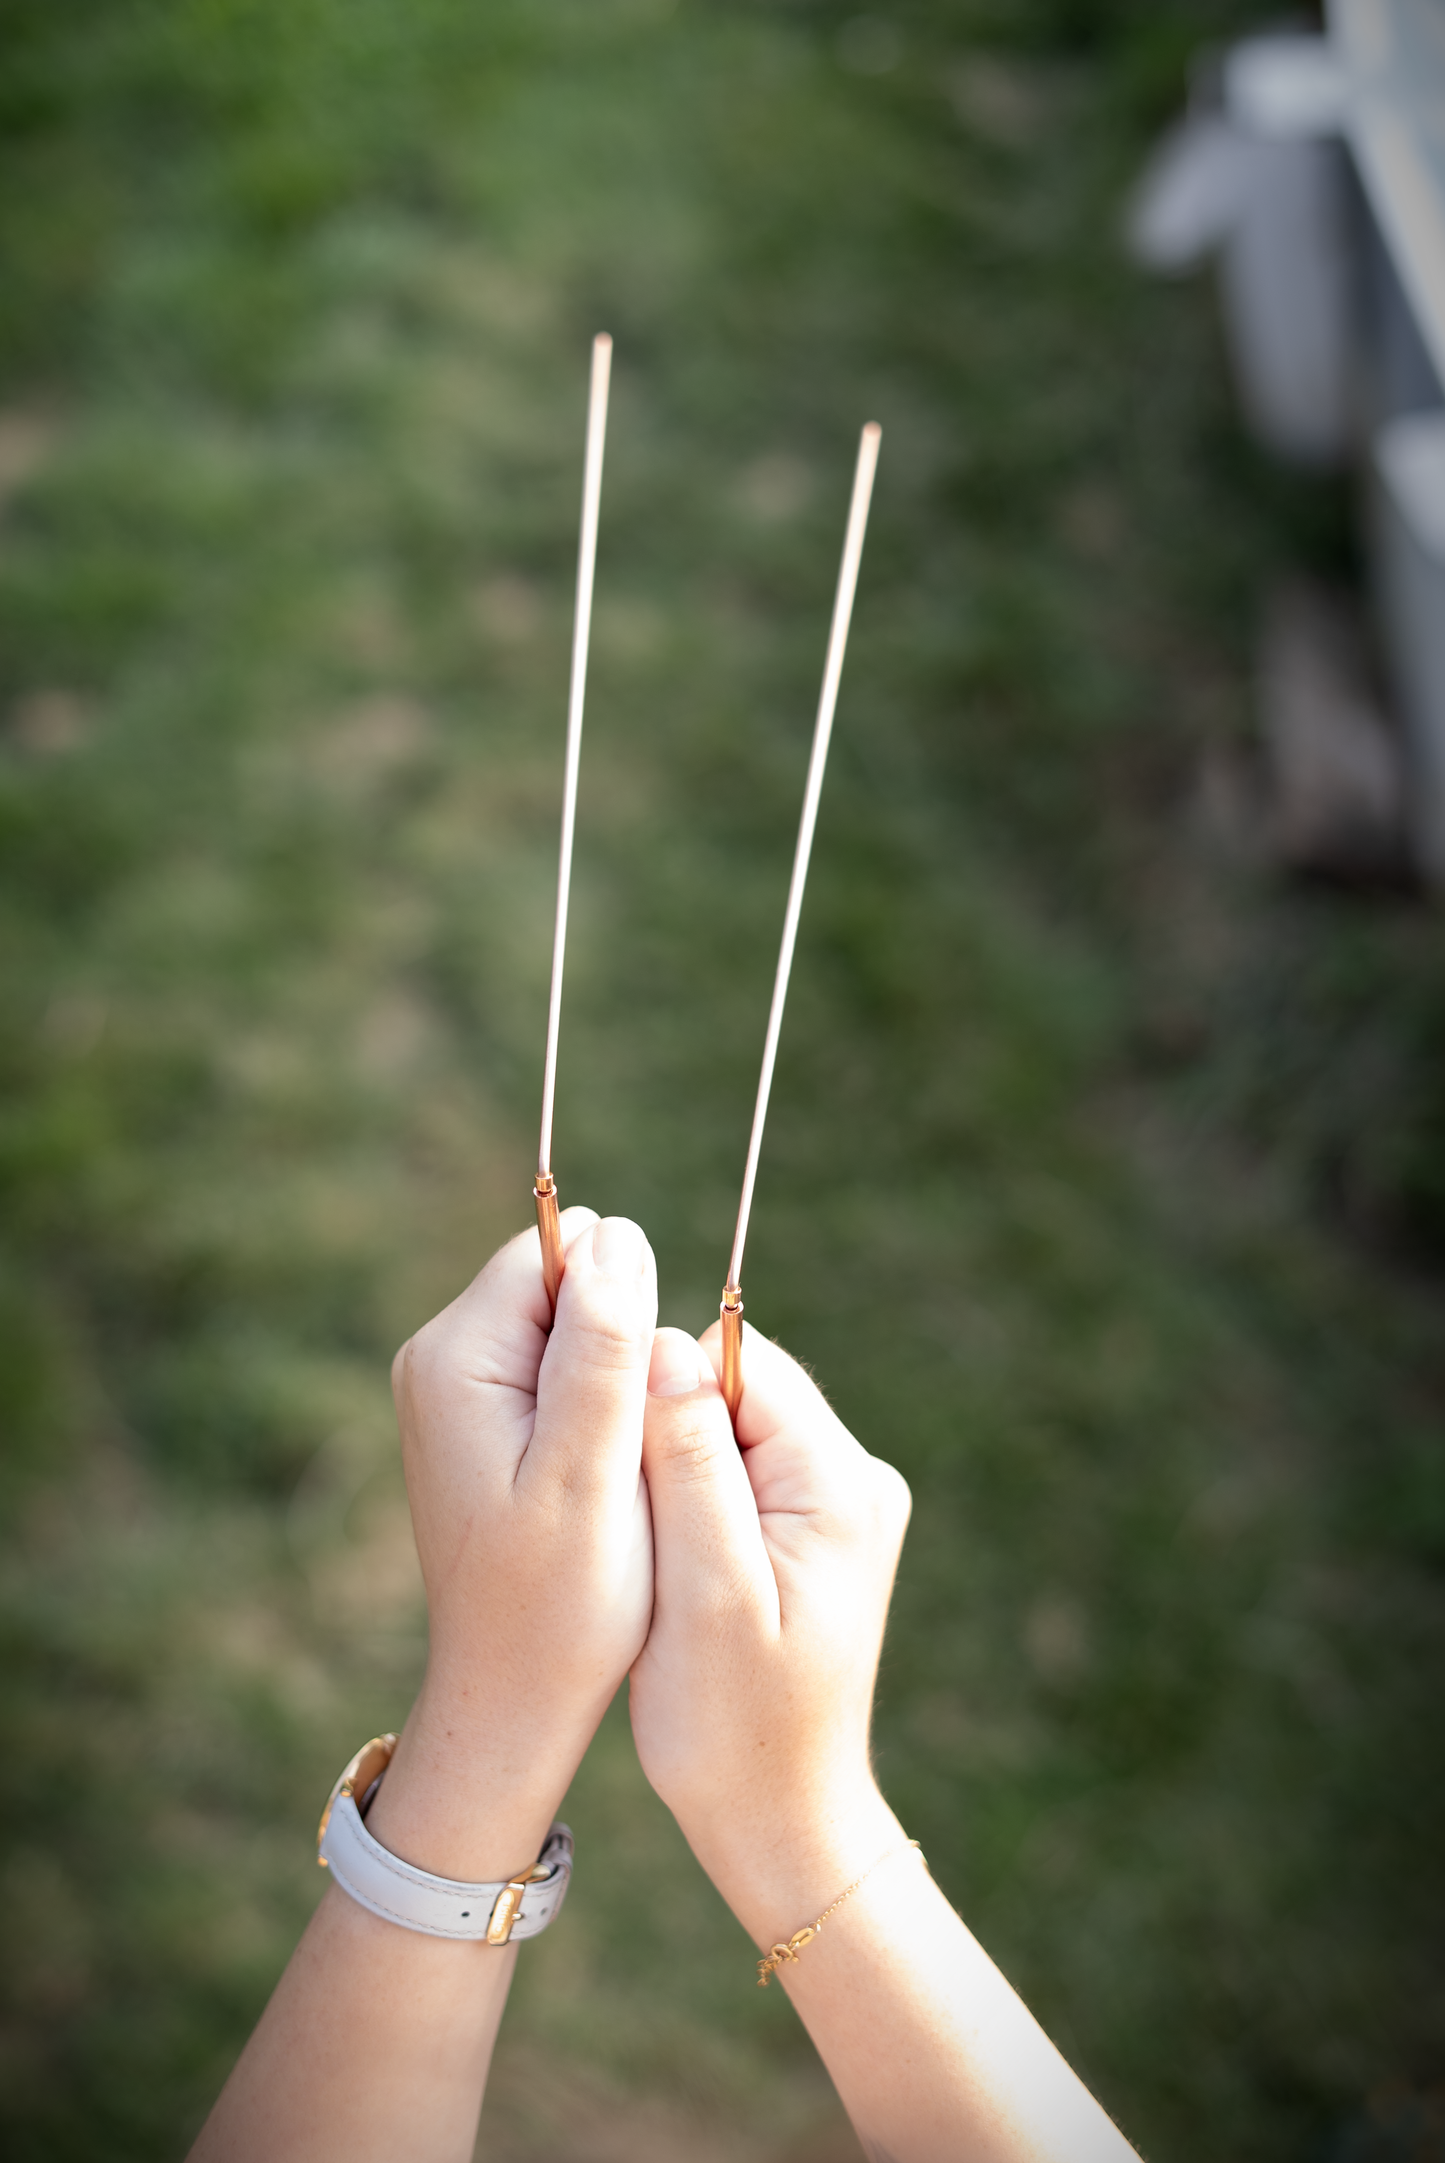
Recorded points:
(1311,170)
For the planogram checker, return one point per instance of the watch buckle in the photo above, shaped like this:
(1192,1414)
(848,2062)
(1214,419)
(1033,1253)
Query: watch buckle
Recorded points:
(509,1902)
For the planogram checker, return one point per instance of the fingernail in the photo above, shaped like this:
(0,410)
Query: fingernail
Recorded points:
(676,1364)
(619,1248)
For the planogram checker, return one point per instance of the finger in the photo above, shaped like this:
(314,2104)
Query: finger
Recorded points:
(707,1540)
(801,1460)
(494,1332)
(593,1376)
(778,1392)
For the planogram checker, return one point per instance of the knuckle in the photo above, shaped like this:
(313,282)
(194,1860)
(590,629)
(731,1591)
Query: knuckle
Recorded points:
(893,1497)
(576,1484)
(690,1450)
(609,1335)
(610,1351)
(897,1491)
(423,1352)
(401,1371)
(731,1615)
(428,1365)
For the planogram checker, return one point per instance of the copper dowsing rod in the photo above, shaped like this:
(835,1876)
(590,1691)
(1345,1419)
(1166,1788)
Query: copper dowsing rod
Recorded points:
(545,1186)
(732,1299)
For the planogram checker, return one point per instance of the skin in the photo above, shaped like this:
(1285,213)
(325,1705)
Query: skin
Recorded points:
(523,1457)
(751,1702)
(542,1466)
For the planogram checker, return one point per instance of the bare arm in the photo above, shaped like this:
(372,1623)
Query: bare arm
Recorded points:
(751,1705)
(522,1453)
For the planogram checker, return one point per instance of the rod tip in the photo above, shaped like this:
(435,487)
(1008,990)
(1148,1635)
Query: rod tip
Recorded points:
(602,343)
(872,432)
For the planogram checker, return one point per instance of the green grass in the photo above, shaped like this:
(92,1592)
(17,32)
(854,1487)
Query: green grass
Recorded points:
(1102,1184)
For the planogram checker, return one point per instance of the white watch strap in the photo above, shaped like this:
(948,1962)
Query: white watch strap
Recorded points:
(443,1907)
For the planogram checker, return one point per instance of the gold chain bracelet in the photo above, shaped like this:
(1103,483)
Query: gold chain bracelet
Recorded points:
(775,1957)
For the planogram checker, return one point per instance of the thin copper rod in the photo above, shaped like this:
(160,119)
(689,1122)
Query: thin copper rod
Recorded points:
(581,633)
(544,1187)
(732,1306)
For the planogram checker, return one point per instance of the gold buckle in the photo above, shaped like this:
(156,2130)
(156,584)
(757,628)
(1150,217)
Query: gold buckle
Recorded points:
(369,1763)
(509,1901)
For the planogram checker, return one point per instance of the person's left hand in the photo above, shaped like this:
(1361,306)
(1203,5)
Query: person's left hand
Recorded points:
(523,1453)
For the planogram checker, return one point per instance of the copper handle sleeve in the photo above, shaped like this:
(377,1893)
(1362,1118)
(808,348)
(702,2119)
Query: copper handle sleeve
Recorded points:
(731,1313)
(550,1231)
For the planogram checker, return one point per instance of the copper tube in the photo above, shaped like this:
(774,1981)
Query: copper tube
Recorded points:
(550,1231)
(731,1312)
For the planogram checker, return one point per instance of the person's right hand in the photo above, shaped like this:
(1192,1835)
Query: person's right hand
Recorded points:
(774,1561)
(775,1553)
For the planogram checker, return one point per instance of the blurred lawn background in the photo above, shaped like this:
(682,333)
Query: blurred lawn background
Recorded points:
(1105,1184)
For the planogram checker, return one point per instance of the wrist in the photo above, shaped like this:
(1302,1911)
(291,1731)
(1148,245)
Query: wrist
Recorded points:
(778,1870)
(471,1796)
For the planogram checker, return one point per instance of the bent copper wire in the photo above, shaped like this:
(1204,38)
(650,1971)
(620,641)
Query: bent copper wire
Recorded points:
(545,1186)
(732,1300)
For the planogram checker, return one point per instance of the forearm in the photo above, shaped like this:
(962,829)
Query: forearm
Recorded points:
(935,2056)
(933,2053)
(377,2040)
(375,2044)
(521,1440)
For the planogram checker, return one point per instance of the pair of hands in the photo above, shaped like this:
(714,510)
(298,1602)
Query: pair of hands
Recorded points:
(584,1511)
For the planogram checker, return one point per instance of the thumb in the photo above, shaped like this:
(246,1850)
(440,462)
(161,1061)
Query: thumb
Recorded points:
(593,1377)
(707,1538)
